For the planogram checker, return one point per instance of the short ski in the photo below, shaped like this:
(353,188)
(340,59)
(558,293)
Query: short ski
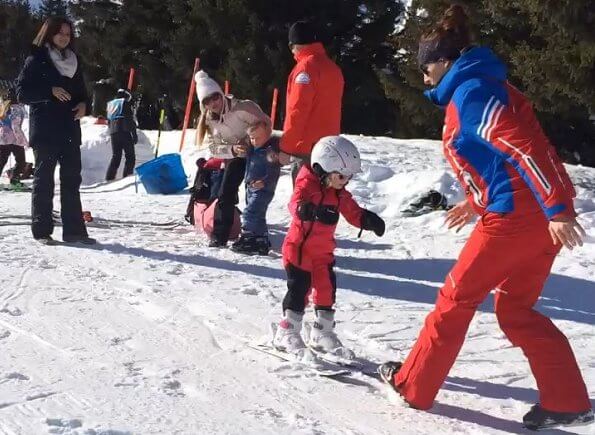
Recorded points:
(354,365)
(321,368)
(15,188)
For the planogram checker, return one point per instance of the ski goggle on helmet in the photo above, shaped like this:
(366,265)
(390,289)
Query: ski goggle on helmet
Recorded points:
(336,154)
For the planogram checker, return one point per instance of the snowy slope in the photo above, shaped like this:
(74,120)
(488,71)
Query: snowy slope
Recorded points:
(146,333)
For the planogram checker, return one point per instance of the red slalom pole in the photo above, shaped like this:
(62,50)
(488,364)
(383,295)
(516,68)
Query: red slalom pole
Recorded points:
(274,107)
(189,101)
(226,88)
(131,78)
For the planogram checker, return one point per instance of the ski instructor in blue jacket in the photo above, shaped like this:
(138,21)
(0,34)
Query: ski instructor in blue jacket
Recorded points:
(523,196)
(51,83)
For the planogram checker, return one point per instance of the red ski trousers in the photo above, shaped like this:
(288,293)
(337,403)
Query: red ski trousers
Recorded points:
(513,255)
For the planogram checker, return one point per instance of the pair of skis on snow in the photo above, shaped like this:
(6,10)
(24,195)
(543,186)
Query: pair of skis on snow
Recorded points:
(15,188)
(337,366)
(94,222)
(319,363)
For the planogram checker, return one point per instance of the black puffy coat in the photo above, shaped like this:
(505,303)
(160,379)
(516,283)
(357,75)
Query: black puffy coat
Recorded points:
(51,122)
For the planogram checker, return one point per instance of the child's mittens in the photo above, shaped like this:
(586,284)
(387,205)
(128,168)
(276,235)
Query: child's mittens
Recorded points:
(372,222)
(325,214)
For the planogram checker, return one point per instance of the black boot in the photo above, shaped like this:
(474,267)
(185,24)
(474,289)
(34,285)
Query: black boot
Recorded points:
(251,244)
(538,418)
(85,240)
(215,242)
(388,370)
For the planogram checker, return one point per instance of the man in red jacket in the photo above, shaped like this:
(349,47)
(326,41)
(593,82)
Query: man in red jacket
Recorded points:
(314,93)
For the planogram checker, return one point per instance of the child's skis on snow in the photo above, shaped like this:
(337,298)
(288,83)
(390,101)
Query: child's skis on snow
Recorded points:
(318,199)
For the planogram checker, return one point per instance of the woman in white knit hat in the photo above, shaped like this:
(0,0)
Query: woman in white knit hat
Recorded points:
(223,126)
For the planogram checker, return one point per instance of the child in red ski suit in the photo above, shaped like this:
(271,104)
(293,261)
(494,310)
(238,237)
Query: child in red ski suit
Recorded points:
(319,197)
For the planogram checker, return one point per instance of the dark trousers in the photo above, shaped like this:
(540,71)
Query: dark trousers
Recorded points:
(19,155)
(121,142)
(46,159)
(299,286)
(233,176)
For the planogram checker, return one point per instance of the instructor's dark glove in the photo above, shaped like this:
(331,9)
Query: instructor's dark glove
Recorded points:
(372,222)
(306,211)
(327,214)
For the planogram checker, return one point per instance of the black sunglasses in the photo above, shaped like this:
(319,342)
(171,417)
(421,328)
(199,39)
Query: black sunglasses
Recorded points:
(342,177)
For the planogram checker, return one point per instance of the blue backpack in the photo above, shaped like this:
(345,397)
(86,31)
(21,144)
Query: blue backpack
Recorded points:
(115,109)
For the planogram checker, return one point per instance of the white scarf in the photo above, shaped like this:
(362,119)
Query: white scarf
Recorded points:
(65,61)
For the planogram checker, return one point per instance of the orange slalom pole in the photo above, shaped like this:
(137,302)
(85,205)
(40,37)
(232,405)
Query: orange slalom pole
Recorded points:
(131,78)
(189,102)
(226,89)
(274,107)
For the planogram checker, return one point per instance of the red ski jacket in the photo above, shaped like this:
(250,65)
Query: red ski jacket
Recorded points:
(313,101)
(312,242)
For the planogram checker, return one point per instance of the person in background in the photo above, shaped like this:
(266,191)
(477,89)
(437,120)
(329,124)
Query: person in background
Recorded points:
(314,94)
(222,127)
(261,179)
(319,197)
(52,84)
(12,139)
(519,188)
(122,129)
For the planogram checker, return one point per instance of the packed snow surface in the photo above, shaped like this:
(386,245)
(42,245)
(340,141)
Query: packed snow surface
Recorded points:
(147,332)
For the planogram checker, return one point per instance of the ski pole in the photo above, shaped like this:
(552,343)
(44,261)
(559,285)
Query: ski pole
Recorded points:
(161,119)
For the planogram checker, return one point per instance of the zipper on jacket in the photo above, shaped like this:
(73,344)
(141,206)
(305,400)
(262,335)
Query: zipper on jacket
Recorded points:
(301,247)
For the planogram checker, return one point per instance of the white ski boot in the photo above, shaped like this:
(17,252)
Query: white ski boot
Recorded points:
(288,336)
(322,335)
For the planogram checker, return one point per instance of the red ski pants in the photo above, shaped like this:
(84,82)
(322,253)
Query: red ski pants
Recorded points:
(512,255)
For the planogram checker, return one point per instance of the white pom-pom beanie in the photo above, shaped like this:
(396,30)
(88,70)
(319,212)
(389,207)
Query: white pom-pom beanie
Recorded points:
(205,86)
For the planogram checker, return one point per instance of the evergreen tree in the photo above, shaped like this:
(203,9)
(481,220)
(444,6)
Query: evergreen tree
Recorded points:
(49,8)
(17,31)
(246,42)
(549,48)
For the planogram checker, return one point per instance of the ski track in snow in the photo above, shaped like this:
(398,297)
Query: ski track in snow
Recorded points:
(145,332)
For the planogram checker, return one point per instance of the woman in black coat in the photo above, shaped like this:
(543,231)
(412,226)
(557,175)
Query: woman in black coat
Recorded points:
(52,84)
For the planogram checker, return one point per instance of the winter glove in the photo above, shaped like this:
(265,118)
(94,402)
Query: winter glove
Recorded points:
(372,222)
(327,214)
(306,211)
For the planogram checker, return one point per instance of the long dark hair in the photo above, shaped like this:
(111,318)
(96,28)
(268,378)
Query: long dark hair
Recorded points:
(452,29)
(51,28)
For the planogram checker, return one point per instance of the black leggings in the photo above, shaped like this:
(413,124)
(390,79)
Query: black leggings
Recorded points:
(121,142)
(19,155)
(228,198)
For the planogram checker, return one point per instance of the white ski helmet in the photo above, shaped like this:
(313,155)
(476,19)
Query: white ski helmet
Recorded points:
(336,154)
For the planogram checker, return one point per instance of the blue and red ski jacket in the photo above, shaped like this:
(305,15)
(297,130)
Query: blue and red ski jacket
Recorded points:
(494,142)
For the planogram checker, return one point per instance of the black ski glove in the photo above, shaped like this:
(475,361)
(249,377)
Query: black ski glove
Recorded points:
(372,222)
(327,214)
(306,211)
